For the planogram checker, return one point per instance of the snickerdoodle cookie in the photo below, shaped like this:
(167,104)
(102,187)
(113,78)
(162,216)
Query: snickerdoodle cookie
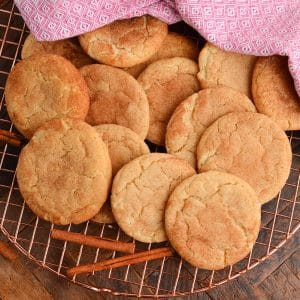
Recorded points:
(212,219)
(123,144)
(64,172)
(65,48)
(44,87)
(219,67)
(167,82)
(274,93)
(125,43)
(250,146)
(140,191)
(116,98)
(173,45)
(196,113)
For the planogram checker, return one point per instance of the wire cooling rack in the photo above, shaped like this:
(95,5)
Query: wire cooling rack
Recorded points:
(160,278)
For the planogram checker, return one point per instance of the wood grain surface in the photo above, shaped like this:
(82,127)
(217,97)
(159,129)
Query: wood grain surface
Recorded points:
(276,278)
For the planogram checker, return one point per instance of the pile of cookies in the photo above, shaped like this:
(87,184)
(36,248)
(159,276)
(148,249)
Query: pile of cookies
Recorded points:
(87,108)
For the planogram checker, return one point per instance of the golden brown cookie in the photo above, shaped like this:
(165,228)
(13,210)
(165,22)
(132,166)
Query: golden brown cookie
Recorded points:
(125,43)
(44,87)
(64,172)
(167,82)
(274,93)
(174,45)
(116,98)
(140,191)
(250,146)
(65,48)
(105,215)
(196,113)
(219,67)
(123,144)
(212,219)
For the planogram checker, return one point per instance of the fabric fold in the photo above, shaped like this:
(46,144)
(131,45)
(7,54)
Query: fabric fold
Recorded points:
(261,28)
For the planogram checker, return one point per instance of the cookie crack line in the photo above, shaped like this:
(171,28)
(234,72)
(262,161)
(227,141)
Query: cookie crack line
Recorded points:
(237,223)
(186,146)
(129,49)
(142,170)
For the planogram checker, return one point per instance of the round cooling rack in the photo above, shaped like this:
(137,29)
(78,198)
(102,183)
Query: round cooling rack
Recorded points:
(160,278)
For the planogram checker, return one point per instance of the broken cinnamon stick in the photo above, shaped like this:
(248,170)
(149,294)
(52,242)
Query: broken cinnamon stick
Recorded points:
(7,251)
(121,261)
(92,241)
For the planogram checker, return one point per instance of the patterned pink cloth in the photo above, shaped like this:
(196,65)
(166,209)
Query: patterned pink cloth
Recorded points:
(259,27)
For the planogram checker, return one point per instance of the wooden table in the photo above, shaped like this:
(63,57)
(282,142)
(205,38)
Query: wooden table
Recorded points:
(277,278)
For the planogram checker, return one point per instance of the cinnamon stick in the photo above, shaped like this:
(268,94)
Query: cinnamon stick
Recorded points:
(92,241)
(121,261)
(11,141)
(8,133)
(7,252)
(10,138)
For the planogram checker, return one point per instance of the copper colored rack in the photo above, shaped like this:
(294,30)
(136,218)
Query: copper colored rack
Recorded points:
(161,278)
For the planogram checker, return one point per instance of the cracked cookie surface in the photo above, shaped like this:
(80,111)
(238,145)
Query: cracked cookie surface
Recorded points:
(65,48)
(250,146)
(274,93)
(212,219)
(64,172)
(125,43)
(167,82)
(140,191)
(123,144)
(174,45)
(219,67)
(196,113)
(44,87)
(116,98)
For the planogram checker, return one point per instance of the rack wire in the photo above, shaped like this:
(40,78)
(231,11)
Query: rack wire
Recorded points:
(161,278)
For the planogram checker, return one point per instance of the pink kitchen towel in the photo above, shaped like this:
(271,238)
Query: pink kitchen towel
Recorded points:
(259,27)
